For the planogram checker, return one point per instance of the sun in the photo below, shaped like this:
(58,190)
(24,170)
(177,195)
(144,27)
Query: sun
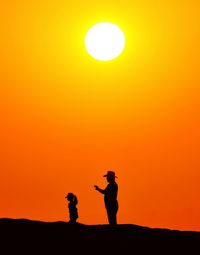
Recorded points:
(105,41)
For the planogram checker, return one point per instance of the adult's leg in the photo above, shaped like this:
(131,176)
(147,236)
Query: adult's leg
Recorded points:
(112,217)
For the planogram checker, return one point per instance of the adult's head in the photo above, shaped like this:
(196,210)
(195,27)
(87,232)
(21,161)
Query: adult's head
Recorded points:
(110,176)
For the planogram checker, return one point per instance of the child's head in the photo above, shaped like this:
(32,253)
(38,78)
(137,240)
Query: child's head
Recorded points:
(70,196)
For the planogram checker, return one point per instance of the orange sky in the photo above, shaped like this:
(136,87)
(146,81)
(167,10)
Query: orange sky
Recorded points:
(67,118)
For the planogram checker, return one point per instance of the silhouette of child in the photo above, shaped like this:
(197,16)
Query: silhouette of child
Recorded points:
(73,212)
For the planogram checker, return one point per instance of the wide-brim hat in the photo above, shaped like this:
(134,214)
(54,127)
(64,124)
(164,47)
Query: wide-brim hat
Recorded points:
(110,174)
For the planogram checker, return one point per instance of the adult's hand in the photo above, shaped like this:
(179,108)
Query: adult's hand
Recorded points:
(96,187)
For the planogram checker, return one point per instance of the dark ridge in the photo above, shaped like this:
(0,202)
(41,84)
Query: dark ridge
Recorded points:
(23,236)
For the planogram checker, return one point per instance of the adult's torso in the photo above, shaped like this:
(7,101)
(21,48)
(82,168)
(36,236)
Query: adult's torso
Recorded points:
(110,196)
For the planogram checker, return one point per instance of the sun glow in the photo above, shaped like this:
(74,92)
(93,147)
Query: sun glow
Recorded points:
(105,41)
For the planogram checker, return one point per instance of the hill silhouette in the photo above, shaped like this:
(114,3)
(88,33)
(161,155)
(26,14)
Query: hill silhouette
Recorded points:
(23,236)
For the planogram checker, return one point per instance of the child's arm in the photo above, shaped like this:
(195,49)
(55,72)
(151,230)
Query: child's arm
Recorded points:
(75,200)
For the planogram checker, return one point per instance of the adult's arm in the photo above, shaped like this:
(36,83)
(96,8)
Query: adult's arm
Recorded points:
(102,191)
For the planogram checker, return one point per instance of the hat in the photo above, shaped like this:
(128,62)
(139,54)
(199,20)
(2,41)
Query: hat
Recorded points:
(69,195)
(110,174)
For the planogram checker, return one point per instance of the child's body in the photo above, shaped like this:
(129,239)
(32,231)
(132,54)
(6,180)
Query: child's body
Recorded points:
(73,212)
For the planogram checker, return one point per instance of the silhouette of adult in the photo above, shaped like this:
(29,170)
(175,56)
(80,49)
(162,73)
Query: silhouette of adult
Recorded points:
(110,197)
(73,212)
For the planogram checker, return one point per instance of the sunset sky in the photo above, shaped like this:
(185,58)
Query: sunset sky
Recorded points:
(67,118)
